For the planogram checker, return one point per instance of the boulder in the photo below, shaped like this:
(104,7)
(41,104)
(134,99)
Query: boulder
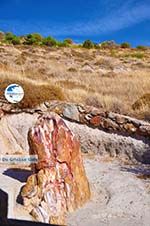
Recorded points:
(59,184)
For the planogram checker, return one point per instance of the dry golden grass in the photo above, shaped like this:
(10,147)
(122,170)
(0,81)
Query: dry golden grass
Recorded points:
(56,74)
(142,102)
(35,92)
(113,93)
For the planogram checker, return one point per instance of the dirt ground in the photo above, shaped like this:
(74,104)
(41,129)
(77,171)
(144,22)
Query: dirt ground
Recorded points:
(119,196)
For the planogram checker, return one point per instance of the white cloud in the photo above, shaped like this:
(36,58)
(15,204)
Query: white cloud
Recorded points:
(118,19)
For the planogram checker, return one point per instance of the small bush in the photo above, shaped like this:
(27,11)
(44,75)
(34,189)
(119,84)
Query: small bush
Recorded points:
(104,45)
(108,44)
(9,36)
(125,45)
(62,44)
(15,40)
(34,38)
(49,41)
(88,44)
(69,41)
(141,47)
(12,39)
(35,94)
(37,36)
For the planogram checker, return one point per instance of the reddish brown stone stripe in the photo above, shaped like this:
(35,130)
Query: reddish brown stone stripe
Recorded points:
(60,183)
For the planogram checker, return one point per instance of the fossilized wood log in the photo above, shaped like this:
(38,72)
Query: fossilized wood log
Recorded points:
(59,184)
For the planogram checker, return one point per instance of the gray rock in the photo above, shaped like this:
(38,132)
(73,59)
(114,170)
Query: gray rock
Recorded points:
(113,145)
(71,112)
(87,69)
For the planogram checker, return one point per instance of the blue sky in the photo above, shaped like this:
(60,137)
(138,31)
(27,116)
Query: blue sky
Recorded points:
(98,20)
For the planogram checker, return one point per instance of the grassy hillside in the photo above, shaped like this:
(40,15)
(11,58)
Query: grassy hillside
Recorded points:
(112,78)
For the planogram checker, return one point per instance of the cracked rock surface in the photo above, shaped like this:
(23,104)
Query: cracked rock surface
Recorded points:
(59,184)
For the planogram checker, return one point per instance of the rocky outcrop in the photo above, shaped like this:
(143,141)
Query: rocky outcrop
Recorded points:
(101,132)
(103,120)
(59,184)
(91,116)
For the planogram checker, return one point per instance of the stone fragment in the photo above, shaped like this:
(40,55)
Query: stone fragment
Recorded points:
(81,109)
(83,119)
(88,117)
(145,130)
(108,124)
(111,115)
(71,112)
(1,113)
(130,127)
(87,69)
(59,184)
(96,121)
(120,119)
(96,111)
(7,107)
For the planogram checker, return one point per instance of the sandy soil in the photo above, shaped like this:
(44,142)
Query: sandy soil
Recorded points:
(119,197)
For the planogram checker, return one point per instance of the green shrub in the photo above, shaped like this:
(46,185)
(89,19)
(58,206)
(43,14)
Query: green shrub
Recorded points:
(125,45)
(96,46)
(69,41)
(88,44)
(62,44)
(12,39)
(49,41)
(34,38)
(15,40)
(108,44)
(141,47)
(30,41)
(38,37)
(9,36)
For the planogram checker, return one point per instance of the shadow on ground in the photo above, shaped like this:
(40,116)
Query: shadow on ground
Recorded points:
(3,204)
(12,222)
(18,174)
(142,172)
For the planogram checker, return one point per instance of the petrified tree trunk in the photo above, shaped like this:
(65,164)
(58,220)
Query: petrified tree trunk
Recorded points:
(59,184)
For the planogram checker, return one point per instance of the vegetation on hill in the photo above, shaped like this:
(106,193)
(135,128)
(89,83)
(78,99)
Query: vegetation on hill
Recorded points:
(106,75)
(38,39)
(125,45)
(88,44)
(11,39)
